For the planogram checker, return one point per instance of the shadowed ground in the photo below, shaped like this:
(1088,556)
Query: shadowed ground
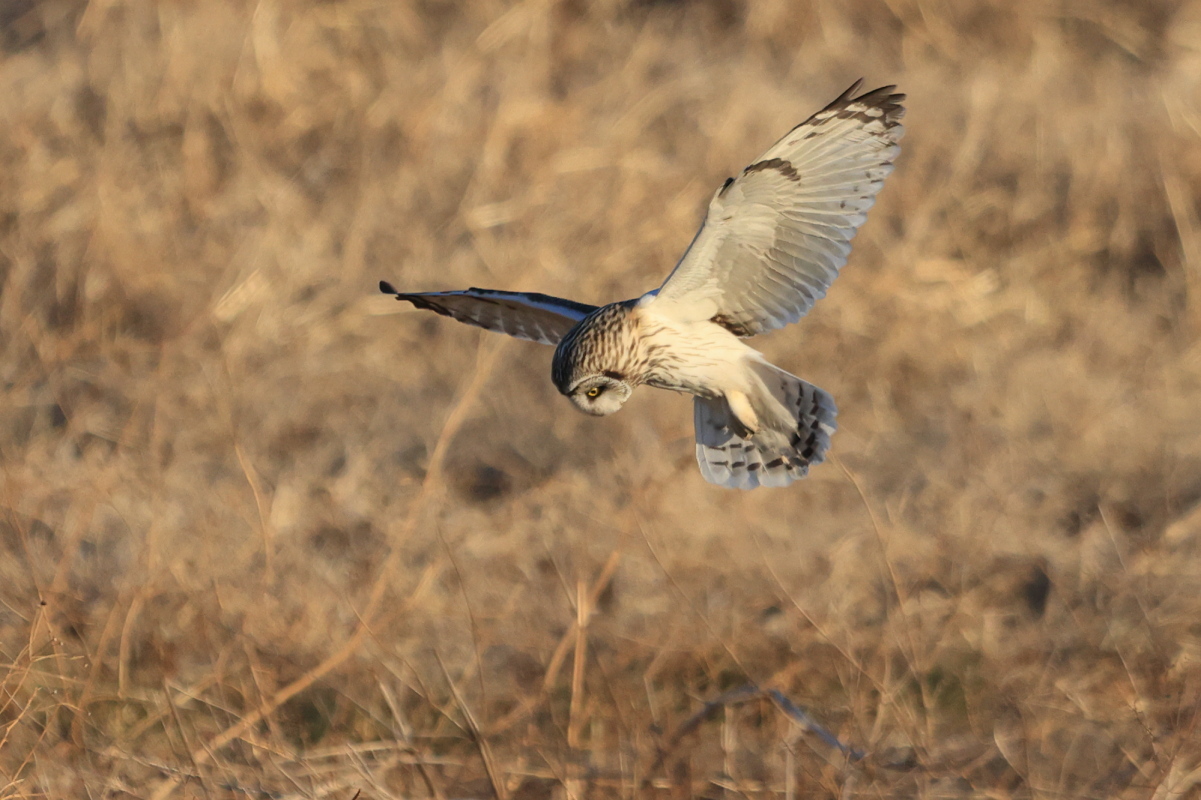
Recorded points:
(267,533)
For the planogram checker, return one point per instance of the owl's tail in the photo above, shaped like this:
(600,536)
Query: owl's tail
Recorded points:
(794,422)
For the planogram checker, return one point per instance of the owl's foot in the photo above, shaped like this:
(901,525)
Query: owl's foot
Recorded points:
(740,404)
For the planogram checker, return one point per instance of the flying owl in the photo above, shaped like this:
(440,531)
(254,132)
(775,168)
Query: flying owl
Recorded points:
(771,244)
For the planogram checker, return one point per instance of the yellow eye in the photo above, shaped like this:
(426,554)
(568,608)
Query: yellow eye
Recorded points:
(594,391)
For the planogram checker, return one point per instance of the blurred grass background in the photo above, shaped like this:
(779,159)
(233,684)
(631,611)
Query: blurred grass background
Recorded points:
(268,534)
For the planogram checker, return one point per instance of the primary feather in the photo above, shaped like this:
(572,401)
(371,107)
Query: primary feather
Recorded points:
(524,315)
(776,236)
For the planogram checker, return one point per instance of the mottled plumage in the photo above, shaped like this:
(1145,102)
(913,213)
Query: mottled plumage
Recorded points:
(771,244)
(607,340)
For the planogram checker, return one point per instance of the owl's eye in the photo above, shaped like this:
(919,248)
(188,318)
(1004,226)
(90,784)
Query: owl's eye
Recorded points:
(594,391)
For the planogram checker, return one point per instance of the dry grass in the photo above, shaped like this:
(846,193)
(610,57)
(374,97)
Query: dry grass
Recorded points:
(267,535)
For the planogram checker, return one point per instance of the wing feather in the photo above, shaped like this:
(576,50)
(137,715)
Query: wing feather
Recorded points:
(776,236)
(524,315)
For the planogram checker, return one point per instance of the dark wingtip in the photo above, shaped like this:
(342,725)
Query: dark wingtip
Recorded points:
(387,288)
(849,93)
(883,98)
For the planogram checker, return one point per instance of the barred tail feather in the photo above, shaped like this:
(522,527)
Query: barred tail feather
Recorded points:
(796,421)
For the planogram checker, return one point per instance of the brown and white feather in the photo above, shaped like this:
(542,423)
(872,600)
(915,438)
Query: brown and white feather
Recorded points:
(776,236)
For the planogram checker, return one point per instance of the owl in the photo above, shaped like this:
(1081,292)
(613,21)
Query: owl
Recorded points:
(772,242)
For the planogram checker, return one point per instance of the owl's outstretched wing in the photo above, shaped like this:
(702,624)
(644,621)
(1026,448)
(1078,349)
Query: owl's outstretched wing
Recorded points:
(775,237)
(525,315)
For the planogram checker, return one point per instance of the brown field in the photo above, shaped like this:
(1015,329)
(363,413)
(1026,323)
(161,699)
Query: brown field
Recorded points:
(268,534)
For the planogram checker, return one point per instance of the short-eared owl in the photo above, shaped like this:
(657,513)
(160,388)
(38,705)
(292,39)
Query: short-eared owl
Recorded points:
(770,246)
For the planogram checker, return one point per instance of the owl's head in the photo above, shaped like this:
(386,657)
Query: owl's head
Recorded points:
(600,395)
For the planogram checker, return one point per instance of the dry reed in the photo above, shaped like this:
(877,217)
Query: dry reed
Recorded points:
(265,534)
